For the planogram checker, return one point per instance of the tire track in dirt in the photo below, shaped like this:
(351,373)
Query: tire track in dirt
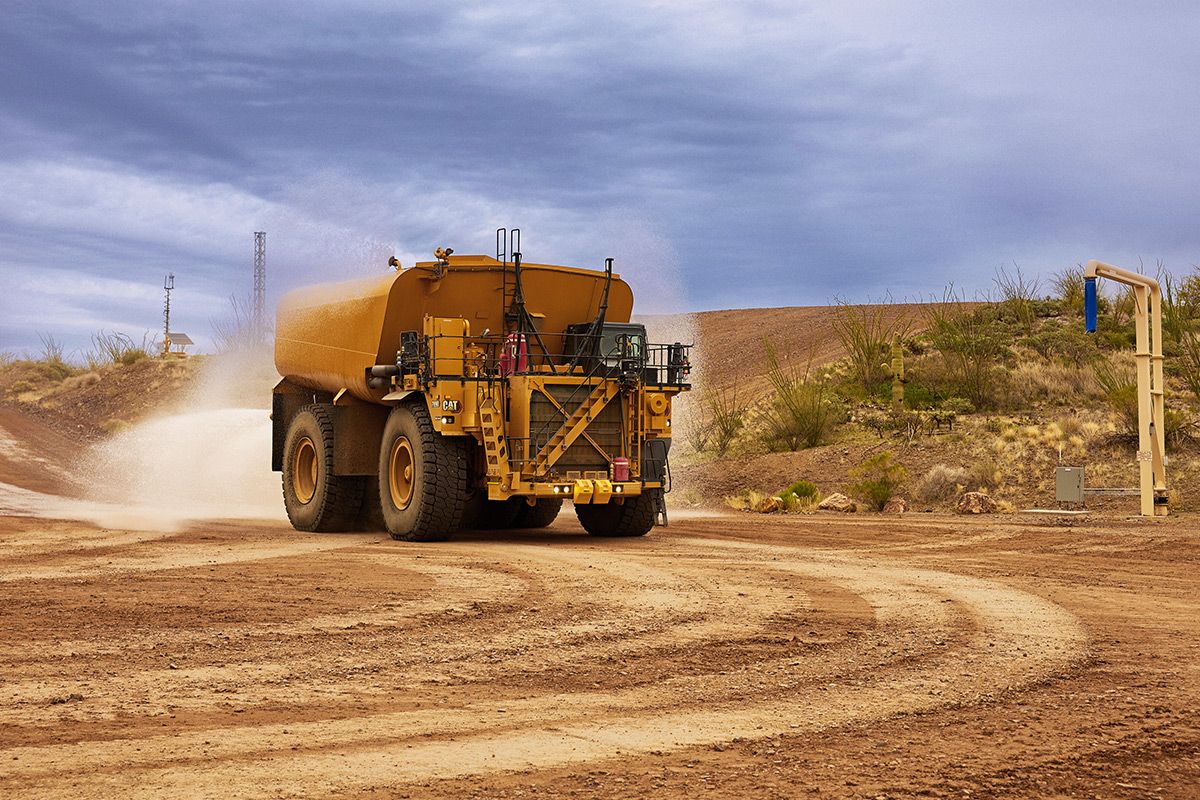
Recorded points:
(653,595)
(963,637)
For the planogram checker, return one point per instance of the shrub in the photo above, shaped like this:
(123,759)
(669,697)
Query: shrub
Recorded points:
(948,411)
(1066,344)
(805,490)
(974,344)
(52,349)
(879,477)
(910,423)
(940,483)
(957,405)
(745,500)
(1181,320)
(1118,379)
(116,348)
(1187,363)
(983,476)
(78,381)
(1121,306)
(697,429)
(1018,296)
(725,417)
(1068,285)
(874,420)
(866,333)
(804,412)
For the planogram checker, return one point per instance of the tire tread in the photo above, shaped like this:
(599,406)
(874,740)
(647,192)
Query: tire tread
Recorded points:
(634,517)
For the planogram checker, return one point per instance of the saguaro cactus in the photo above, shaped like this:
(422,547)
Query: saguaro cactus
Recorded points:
(896,370)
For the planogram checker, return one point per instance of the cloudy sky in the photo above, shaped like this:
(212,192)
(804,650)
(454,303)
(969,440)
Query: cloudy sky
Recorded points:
(728,155)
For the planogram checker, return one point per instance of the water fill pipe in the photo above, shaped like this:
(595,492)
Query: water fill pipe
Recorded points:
(1089,304)
(1148,355)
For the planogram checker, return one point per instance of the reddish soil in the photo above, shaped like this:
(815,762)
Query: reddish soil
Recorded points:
(727,656)
(89,405)
(730,344)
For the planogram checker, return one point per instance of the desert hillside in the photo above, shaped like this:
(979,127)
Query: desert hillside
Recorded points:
(730,344)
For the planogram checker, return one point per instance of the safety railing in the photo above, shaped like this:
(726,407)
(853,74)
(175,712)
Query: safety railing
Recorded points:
(492,356)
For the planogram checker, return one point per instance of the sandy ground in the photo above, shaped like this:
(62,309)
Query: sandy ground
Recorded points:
(725,656)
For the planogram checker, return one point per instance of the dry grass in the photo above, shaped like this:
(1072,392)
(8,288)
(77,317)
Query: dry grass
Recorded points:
(114,347)
(746,500)
(1056,384)
(80,381)
(940,483)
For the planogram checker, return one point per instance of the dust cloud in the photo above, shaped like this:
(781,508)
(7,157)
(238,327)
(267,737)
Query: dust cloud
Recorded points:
(210,458)
(197,465)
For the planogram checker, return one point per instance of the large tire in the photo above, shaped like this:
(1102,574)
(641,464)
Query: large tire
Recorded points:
(315,498)
(423,477)
(540,515)
(634,517)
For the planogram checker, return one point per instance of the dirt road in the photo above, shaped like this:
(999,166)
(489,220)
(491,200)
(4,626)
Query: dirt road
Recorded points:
(731,656)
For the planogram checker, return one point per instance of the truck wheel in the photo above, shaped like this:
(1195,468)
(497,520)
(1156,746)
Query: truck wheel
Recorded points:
(540,515)
(315,498)
(634,517)
(423,477)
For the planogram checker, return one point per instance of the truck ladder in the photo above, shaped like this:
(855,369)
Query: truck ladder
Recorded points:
(574,425)
(494,447)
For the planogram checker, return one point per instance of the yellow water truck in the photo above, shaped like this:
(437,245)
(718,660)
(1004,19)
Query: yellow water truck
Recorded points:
(472,392)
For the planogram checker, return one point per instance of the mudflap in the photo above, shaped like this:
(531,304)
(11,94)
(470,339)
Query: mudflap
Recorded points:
(656,466)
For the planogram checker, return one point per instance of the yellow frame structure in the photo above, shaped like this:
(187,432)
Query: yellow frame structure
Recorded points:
(1151,455)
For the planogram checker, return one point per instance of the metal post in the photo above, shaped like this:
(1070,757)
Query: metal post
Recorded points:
(1151,455)
(1141,296)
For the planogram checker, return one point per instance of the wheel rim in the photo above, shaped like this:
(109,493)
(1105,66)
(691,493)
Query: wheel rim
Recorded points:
(401,472)
(304,470)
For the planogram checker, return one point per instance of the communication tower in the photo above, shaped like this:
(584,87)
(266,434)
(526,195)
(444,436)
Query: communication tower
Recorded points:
(168,285)
(260,284)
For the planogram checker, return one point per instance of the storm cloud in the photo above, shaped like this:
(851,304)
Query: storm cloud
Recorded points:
(727,155)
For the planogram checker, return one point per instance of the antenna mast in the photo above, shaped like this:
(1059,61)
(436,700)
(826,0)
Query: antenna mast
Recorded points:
(168,285)
(260,285)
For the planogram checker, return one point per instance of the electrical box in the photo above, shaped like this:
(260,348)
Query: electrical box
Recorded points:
(1068,485)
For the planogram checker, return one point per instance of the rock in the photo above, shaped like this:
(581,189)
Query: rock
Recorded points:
(769,505)
(976,503)
(838,502)
(895,505)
